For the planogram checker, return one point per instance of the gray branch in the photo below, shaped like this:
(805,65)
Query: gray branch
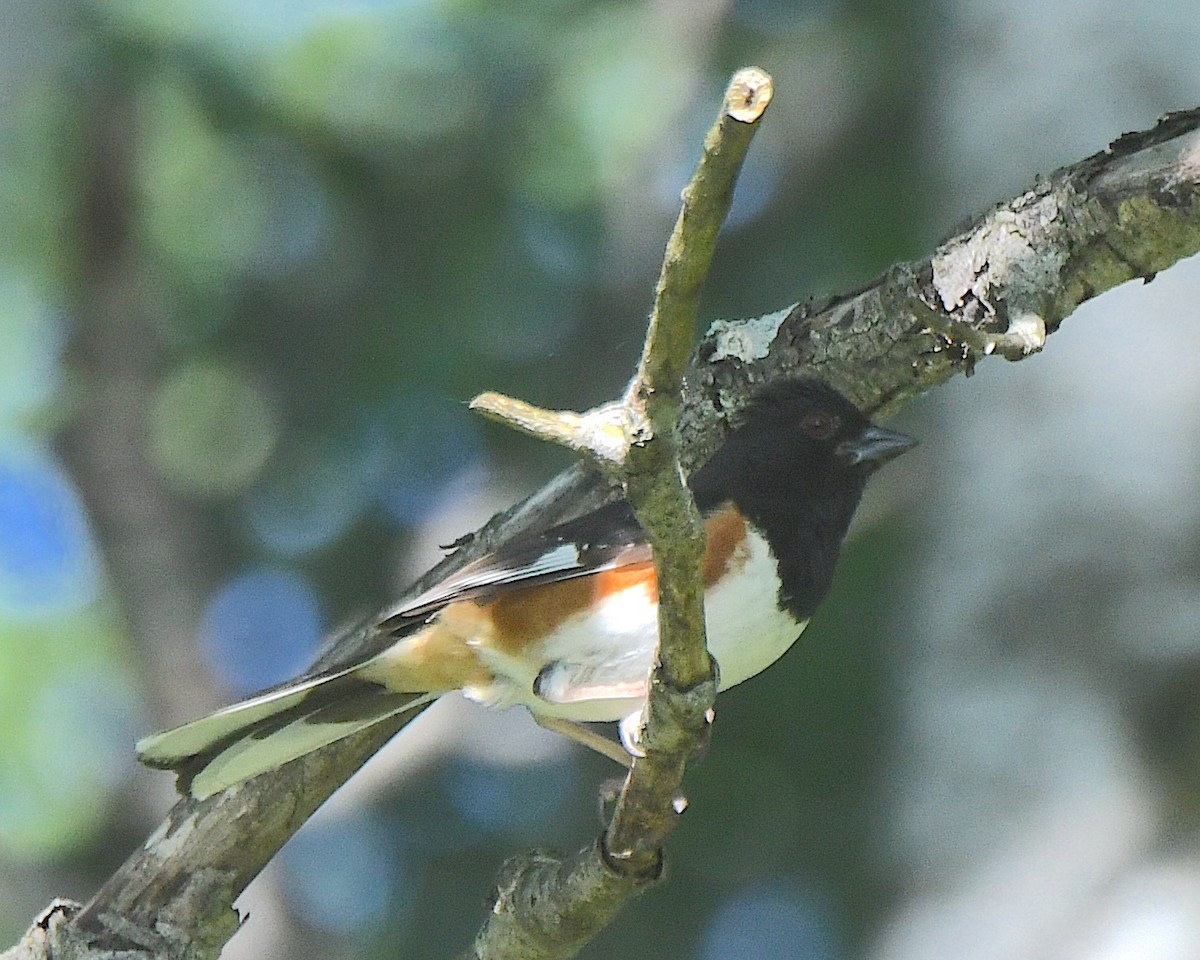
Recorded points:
(1000,288)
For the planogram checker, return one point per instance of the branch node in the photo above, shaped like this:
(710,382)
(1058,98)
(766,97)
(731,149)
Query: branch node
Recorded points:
(680,717)
(634,865)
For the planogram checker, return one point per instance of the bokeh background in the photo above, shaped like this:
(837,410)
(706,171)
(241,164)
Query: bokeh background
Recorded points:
(256,254)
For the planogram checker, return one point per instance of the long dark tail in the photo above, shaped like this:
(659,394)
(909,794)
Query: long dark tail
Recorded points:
(271,729)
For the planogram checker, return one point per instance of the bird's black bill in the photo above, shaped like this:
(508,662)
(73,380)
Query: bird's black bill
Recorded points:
(875,446)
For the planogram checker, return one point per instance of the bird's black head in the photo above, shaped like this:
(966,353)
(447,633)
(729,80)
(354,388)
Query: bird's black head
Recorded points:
(796,467)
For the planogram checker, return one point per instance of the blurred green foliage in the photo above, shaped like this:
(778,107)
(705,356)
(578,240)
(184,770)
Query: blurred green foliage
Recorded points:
(254,256)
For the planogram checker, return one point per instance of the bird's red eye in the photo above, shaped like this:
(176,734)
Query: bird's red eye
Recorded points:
(819,425)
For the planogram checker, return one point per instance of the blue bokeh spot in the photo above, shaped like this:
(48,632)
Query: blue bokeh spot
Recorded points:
(432,443)
(316,493)
(508,800)
(47,560)
(346,874)
(764,921)
(261,627)
(485,796)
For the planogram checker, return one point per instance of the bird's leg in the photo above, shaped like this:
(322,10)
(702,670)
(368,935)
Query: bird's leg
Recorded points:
(586,737)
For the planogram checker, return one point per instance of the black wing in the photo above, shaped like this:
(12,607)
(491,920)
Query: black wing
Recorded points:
(605,539)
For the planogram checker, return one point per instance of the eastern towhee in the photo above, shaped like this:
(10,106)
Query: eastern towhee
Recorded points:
(564,621)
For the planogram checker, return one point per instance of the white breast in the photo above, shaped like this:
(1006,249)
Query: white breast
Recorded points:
(747,631)
(598,666)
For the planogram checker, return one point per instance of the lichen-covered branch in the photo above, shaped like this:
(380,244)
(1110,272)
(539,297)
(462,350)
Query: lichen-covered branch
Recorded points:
(651,478)
(998,289)
(548,907)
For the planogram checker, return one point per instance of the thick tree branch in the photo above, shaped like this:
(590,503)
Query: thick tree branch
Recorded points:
(997,289)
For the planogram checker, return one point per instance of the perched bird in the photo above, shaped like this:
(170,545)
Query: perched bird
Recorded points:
(564,620)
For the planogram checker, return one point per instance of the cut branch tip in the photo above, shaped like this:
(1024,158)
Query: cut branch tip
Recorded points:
(599,433)
(749,94)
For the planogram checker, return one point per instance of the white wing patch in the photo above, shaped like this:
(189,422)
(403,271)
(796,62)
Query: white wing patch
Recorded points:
(484,573)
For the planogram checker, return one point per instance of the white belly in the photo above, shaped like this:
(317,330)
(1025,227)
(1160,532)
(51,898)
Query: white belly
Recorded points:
(599,667)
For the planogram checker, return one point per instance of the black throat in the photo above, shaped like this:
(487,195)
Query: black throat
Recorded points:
(796,467)
(804,520)
(806,538)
